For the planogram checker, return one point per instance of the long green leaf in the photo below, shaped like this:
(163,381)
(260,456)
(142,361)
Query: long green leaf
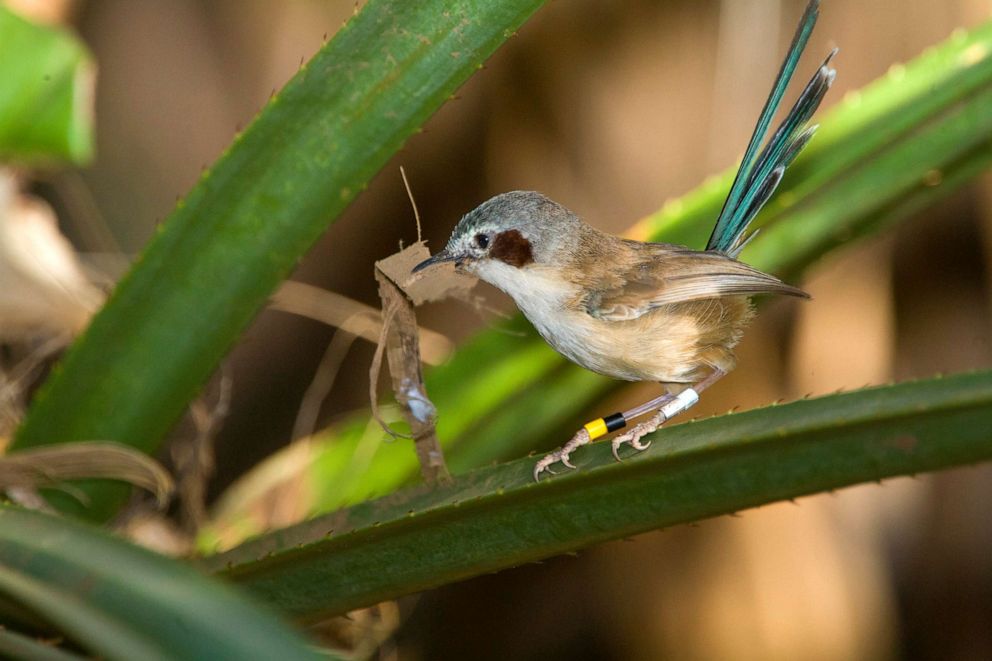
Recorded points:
(885,152)
(247,222)
(19,646)
(46,93)
(499,517)
(124,602)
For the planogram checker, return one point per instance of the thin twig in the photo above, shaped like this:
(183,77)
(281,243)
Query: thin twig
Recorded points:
(195,457)
(376,367)
(323,380)
(14,382)
(413,203)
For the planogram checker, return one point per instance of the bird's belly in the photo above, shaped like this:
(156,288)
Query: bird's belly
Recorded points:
(673,344)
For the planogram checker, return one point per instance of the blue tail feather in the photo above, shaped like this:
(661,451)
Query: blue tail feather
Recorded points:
(782,149)
(760,173)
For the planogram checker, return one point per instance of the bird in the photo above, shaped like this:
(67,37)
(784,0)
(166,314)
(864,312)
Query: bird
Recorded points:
(641,311)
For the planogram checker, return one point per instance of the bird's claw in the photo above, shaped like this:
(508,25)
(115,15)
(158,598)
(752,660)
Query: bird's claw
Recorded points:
(634,436)
(562,455)
(639,446)
(634,442)
(544,465)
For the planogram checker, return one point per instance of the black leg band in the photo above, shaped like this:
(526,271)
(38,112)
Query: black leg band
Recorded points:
(615,422)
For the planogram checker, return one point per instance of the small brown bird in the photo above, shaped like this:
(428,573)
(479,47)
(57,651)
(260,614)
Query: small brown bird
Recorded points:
(640,311)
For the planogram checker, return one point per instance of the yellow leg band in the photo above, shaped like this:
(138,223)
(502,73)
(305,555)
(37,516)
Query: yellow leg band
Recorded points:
(596,429)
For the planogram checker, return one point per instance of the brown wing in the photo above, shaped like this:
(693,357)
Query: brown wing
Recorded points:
(661,274)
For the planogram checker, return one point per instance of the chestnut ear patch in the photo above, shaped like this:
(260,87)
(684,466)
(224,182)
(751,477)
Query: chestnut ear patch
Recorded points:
(512,248)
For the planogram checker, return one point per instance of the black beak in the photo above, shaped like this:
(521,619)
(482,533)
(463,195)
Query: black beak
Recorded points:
(439,258)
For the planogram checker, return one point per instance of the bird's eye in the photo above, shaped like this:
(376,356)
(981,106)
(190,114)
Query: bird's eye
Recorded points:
(482,241)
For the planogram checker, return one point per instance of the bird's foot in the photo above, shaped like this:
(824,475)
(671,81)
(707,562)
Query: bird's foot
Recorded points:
(684,400)
(581,438)
(639,431)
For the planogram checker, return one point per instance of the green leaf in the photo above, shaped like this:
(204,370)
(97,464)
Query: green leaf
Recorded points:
(121,601)
(498,517)
(247,222)
(18,646)
(883,153)
(46,93)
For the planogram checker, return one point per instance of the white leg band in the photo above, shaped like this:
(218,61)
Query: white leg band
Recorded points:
(682,401)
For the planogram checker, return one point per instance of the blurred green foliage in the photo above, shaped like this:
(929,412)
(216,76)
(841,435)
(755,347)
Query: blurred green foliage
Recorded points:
(46,94)
(120,601)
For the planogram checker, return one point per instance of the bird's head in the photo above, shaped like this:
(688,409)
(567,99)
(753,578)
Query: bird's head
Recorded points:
(516,230)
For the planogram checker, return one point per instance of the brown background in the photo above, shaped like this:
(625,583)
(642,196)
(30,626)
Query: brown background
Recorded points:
(610,108)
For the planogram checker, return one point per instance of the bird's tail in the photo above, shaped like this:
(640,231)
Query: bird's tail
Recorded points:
(760,173)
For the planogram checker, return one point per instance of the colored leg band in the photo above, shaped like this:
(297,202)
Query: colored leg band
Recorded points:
(682,401)
(603,426)
(615,422)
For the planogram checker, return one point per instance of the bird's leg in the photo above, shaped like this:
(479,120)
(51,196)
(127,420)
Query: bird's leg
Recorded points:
(590,432)
(595,429)
(667,406)
(670,407)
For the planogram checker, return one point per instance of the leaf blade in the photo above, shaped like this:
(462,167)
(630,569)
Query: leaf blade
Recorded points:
(126,602)
(497,517)
(246,223)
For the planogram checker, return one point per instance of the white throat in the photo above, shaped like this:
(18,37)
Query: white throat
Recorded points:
(539,292)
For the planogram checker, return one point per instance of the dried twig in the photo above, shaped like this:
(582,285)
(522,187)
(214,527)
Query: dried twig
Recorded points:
(351,316)
(15,381)
(194,457)
(403,354)
(376,367)
(322,382)
(413,203)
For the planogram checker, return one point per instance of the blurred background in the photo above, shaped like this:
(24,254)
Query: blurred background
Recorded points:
(610,109)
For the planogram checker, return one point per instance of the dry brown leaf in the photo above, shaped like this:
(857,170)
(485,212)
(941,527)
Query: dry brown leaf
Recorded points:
(434,284)
(350,316)
(52,465)
(43,288)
